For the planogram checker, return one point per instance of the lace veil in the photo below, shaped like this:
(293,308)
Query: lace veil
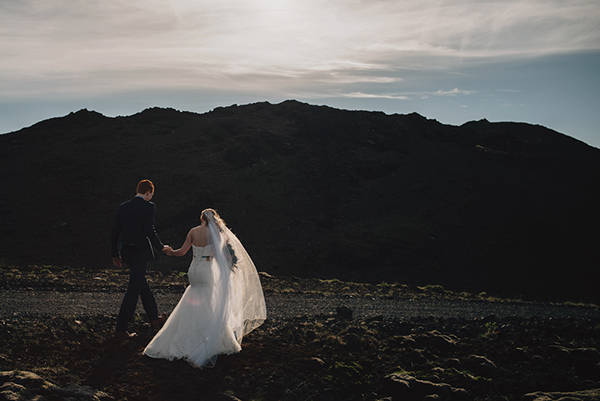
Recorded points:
(237,293)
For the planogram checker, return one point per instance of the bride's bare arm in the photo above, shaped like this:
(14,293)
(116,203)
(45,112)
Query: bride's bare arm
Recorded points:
(184,248)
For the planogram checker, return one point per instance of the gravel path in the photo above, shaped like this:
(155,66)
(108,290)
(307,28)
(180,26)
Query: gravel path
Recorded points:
(48,303)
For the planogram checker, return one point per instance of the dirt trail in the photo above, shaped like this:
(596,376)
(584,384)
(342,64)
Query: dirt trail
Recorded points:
(283,306)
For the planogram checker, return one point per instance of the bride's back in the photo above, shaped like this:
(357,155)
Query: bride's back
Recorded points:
(200,235)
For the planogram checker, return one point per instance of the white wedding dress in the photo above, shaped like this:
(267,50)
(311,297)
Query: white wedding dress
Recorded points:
(223,302)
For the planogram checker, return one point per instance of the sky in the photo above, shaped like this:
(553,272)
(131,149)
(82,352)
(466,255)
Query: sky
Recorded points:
(534,61)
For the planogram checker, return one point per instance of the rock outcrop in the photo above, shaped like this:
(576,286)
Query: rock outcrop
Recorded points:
(27,386)
(587,395)
(401,386)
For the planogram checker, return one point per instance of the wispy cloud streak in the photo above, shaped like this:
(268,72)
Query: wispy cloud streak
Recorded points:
(103,44)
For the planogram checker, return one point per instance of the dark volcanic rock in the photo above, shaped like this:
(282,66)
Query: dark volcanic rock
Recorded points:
(405,387)
(480,365)
(313,191)
(587,395)
(22,385)
(280,360)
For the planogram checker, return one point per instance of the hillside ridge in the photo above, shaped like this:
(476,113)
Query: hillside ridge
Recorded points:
(314,191)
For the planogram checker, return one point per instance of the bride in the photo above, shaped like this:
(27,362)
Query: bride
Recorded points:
(223,302)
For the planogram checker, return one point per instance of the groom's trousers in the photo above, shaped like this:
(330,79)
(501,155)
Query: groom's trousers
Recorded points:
(138,287)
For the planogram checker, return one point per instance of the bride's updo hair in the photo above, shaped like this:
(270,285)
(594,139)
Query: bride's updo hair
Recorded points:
(217,218)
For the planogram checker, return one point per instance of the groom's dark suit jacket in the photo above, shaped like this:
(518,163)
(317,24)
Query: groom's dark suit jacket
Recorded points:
(134,227)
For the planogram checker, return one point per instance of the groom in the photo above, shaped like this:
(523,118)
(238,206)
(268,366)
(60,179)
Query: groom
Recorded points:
(132,238)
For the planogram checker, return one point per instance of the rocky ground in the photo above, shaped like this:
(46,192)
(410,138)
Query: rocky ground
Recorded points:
(333,355)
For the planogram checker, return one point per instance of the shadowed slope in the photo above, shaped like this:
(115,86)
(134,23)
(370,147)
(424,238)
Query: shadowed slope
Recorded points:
(316,191)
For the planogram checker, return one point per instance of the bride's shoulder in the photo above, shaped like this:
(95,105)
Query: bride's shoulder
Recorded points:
(198,236)
(197,231)
(199,228)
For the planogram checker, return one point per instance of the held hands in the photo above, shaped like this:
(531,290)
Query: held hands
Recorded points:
(166,249)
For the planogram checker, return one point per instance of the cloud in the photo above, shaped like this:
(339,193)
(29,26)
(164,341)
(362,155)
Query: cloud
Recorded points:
(375,96)
(454,92)
(63,47)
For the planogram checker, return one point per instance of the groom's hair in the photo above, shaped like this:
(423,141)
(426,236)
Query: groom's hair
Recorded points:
(145,186)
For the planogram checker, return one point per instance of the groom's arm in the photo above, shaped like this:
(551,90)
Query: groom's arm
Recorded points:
(149,229)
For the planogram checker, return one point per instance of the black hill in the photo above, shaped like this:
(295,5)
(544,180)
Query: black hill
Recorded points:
(507,208)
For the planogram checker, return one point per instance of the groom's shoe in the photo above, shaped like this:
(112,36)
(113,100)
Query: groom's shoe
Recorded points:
(156,324)
(124,335)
